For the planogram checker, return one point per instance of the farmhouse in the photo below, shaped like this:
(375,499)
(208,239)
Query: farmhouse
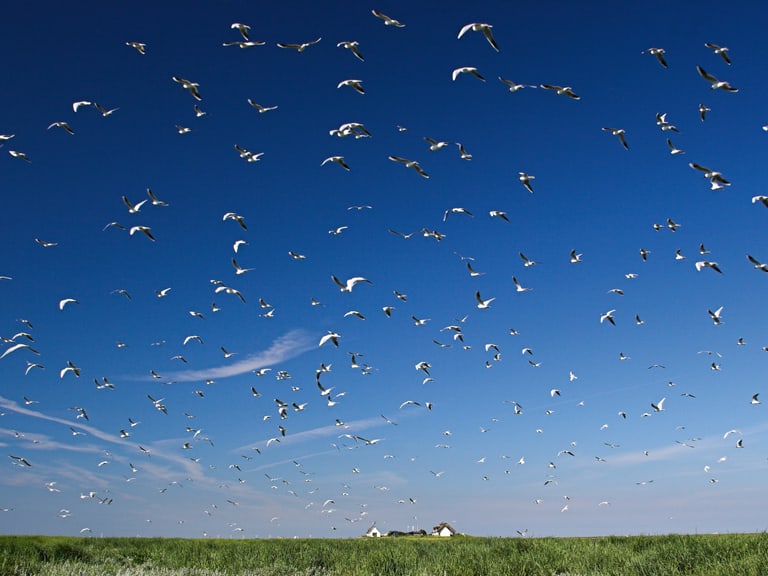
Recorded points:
(373,532)
(443,529)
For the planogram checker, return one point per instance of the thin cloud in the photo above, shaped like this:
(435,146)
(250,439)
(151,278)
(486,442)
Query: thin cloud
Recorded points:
(288,346)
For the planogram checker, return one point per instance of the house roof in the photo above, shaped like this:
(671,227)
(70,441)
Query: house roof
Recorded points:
(442,525)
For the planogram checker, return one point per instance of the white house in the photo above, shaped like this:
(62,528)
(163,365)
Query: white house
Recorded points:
(373,532)
(443,529)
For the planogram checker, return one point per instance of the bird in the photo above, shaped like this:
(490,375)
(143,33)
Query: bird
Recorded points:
(758,265)
(575,258)
(77,105)
(192,87)
(466,70)
(708,264)
(261,108)
(715,84)
(456,211)
(703,111)
(512,86)
(140,47)
(199,113)
(562,91)
(183,129)
(499,214)
(331,337)
(299,47)
(435,145)
(722,51)
(133,208)
(338,160)
(20,155)
(462,152)
(716,319)
(478,27)
(245,43)
(350,283)
(242,28)
(237,218)
(45,244)
(353,46)
(238,269)
(712,175)
(146,230)
(410,164)
(387,20)
(761,199)
(482,304)
(659,53)
(356,85)
(63,302)
(672,149)
(526,181)
(63,125)
(658,406)
(519,287)
(608,316)
(619,133)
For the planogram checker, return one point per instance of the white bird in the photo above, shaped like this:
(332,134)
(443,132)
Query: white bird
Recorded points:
(410,164)
(356,85)
(721,50)
(19,155)
(16,347)
(192,87)
(261,108)
(64,126)
(239,269)
(5,137)
(716,316)
(562,91)
(715,84)
(513,87)
(66,301)
(338,160)
(499,214)
(332,337)
(758,265)
(672,149)
(619,133)
(353,46)
(712,175)
(350,283)
(466,70)
(435,145)
(146,230)
(707,264)
(659,406)
(242,28)
(659,53)
(761,199)
(456,211)
(463,152)
(482,304)
(245,44)
(519,287)
(45,244)
(76,105)
(478,27)
(237,218)
(575,258)
(608,316)
(133,208)
(526,180)
(183,129)
(387,20)
(299,47)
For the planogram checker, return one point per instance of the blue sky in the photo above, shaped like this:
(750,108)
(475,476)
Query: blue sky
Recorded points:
(472,459)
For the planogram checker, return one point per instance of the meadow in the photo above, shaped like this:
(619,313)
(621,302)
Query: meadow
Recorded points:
(669,555)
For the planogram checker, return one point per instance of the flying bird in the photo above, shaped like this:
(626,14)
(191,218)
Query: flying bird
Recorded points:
(562,91)
(478,27)
(64,126)
(722,51)
(715,83)
(299,47)
(410,164)
(192,87)
(356,85)
(659,53)
(466,70)
(353,46)
(619,133)
(387,20)
(350,283)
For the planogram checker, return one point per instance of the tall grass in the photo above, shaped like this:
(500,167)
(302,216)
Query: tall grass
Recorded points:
(702,555)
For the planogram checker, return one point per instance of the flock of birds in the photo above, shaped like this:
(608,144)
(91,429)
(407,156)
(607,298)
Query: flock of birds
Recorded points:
(21,347)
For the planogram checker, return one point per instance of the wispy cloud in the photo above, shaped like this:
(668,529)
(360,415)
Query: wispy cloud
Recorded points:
(289,345)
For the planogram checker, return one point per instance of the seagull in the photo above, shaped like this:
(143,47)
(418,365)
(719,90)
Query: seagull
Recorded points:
(338,160)
(20,460)
(410,164)
(66,301)
(716,316)
(758,265)
(133,208)
(387,20)
(499,214)
(337,231)
(237,218)
(672,149)
(242,28)
(16,347)
(608,316)
(353,46)
(703,111)
(462,151)
(183,129)
(715,83)
(140,47)
(261,108)
(356,85)
(762,199)
(191,86)
(4,137)
(245,44)
(482,304)
(456,211)
(659,53)
(435,145)
(299,47)
(467,70)
(248,155)
(20,155)
(721,50)
(238,269)
(146,230)
(513,87)
(619,133)
(707,264)
(45,244)
(519,287)
(526,180)
(711,175)
(562,91)
(575,258)
(63,125)
(659,406)
(350,283)
(199,113)
(484,28)
(104,111)
(76,105)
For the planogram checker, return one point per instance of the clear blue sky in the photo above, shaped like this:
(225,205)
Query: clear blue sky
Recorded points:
(473,459)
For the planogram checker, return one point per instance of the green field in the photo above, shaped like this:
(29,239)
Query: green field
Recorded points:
(702,555)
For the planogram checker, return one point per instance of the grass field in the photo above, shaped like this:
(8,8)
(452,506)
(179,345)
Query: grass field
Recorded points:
(700,555)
